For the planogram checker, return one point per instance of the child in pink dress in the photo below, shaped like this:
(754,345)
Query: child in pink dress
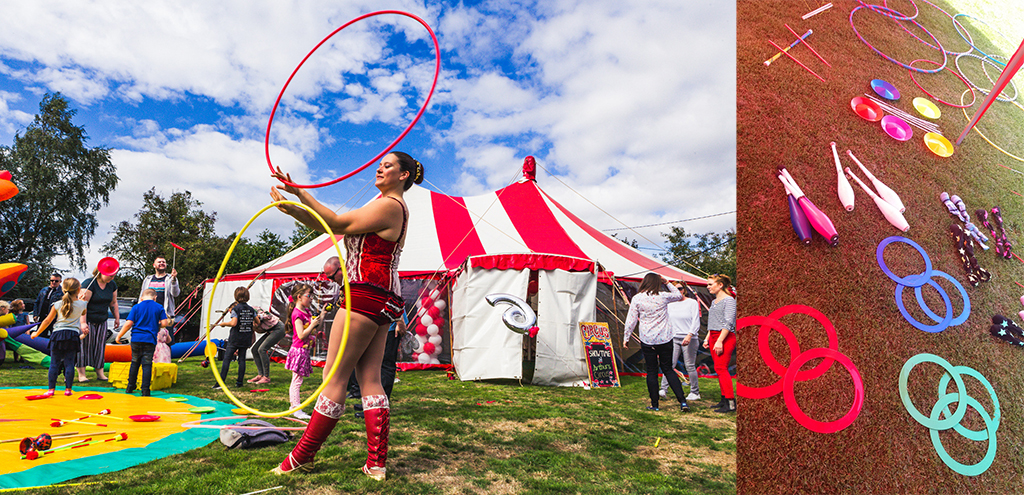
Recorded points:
(298,361)
(162,353)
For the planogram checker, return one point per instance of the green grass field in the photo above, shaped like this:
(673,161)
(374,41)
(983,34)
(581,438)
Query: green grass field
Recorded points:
(786,117)
(453,437)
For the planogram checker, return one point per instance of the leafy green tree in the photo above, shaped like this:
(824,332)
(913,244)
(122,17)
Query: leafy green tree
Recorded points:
(62,183)
(633,243)
(301,235)
(179,219)
(703,254)
(268,246)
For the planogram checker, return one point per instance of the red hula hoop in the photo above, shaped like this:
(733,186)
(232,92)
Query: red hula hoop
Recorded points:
(437,72)
(974,96)
(794,351)
(830,331)
(801,417)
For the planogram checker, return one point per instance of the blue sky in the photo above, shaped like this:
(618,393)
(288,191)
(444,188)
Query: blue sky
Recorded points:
(629,105)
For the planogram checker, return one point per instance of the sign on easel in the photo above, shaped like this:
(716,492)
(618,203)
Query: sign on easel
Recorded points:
(597,344)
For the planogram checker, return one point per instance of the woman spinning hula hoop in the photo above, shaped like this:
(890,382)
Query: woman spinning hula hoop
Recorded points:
(374,236)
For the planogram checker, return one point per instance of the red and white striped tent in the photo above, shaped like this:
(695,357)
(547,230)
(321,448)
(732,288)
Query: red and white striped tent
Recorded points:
(517,226)
(518,219)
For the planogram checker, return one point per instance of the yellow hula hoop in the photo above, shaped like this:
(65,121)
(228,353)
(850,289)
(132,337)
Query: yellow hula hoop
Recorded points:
(989,141)
(211,350)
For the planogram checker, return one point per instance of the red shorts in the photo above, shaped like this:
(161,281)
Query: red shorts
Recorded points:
(380,306)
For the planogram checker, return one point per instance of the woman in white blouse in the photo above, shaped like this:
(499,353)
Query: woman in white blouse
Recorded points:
(649,307)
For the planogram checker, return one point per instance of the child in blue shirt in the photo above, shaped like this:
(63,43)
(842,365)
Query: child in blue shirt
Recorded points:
(147,318)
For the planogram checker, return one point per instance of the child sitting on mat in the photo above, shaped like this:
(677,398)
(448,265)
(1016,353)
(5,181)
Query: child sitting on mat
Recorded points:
(144,320)
(68,331)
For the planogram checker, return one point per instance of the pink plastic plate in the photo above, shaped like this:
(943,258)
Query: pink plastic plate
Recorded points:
(144,418)
(108,266)
(897,128)
(90,397)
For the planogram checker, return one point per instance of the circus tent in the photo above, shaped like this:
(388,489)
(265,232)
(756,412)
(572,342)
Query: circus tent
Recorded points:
(519,227)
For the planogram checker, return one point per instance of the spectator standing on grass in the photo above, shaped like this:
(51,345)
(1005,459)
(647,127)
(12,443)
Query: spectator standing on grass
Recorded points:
(100,291)
(273,331)
(165,284)
(242,322)
(721,338)
(684,317)
(388,367)
(302,323)
(68,331)
(47,296)
(649,309)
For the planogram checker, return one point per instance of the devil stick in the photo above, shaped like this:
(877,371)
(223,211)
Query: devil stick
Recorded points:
(797,42)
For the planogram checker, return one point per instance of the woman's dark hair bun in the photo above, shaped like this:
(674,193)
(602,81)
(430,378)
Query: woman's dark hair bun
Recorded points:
(411,165)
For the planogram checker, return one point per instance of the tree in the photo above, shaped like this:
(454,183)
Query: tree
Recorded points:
(633,243)
(248,254)
(63,184)
(179,219)
(709,253)
(302,234)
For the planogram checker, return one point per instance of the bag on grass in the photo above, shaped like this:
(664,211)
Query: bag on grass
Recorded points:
(255,438)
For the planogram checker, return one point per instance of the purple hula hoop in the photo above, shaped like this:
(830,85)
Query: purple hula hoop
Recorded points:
(892,14)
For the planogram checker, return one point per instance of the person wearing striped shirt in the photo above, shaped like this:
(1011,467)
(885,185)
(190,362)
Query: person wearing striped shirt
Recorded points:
(721,338)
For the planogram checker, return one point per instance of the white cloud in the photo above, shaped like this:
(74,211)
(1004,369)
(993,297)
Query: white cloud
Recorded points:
(11,120)
(615,98)
(620,96)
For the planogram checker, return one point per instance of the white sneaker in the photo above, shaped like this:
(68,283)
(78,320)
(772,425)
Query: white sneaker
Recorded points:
(693,396)
(662,393)
(300,414)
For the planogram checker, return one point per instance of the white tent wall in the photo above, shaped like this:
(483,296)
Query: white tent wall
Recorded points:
(482,346)
(563,300)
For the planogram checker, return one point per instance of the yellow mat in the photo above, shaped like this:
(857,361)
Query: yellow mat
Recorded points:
(20,418)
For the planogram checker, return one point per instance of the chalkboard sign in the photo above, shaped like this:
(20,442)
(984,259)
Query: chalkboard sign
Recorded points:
(597,343)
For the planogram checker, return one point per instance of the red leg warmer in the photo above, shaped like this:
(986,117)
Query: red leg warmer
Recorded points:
(321,424)
(378,420)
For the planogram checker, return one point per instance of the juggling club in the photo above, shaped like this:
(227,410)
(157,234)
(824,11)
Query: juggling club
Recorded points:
(843,186)
(953,210)
(979,235)
(884,191)
(819,220)
(1005,329)
(1001,239)
(801,225)
(889,211)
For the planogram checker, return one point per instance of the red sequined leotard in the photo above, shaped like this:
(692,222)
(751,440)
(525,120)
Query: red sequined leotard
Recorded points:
(373,260)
